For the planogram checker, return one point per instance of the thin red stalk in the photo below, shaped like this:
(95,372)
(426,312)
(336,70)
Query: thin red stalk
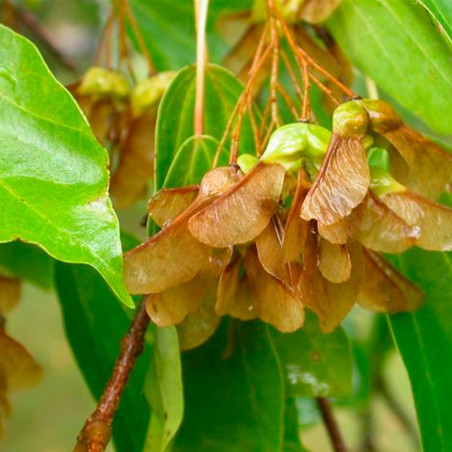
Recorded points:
(259,50)
(331,425)
(267,136)
(304,55)
(241,102)
(239,105)
(123,44)
(288,100)
(200,66)
(265,116)
(305,108)
(256,65)
(253,123)
(274,71)
(102,40)
(325,89)
(108,44)
(96,432)
(138,36)
(292,76)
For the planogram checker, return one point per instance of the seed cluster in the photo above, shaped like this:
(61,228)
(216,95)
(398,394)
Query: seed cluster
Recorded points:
(302,226)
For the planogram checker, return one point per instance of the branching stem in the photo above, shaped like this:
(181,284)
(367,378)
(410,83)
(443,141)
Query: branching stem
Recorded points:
(96,432)
(331,425)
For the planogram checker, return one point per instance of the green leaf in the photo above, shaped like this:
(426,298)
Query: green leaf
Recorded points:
(53,172)
(27,262)
(424,339)
(398,46)
(164,391)
(168,29)
(441,12)
(315,364)
(292,441)
(234,393)
(176,114)
(95,323)
(193,159)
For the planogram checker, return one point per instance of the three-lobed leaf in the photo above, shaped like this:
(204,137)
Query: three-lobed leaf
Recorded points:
(175,121)
(53,172)
(424,339)
(398,46)
(315,364)
(234,393)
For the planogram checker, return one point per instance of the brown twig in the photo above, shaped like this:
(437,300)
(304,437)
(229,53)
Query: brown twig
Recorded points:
(331,425)
(96,432)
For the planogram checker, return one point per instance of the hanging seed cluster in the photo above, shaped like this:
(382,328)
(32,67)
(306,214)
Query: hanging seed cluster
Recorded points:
(300,227)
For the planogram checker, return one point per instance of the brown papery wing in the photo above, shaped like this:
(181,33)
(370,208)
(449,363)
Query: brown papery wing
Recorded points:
(172,305)
(10,289)
(331,302)
(316,11)
(430,166)
(171,257)
(384,289)
(340,233)
(218,181)
(243,212)
(295,229)
(19,369)
(434,220)
(383,230)
(270,251)
(334,262)
(277,303)
(136,165)
(234,295)
(341,184)
(169,203)
(199,325)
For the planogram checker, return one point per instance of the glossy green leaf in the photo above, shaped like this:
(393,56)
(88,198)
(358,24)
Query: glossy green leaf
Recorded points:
(176,114)
(441,12)
(53,172)
(372,344)
(168,28)
(234,393)
(193,159)
(27,262)
(164,391)
(315,364)
(399,47)
(95,322)
(424,339)
(292,441)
